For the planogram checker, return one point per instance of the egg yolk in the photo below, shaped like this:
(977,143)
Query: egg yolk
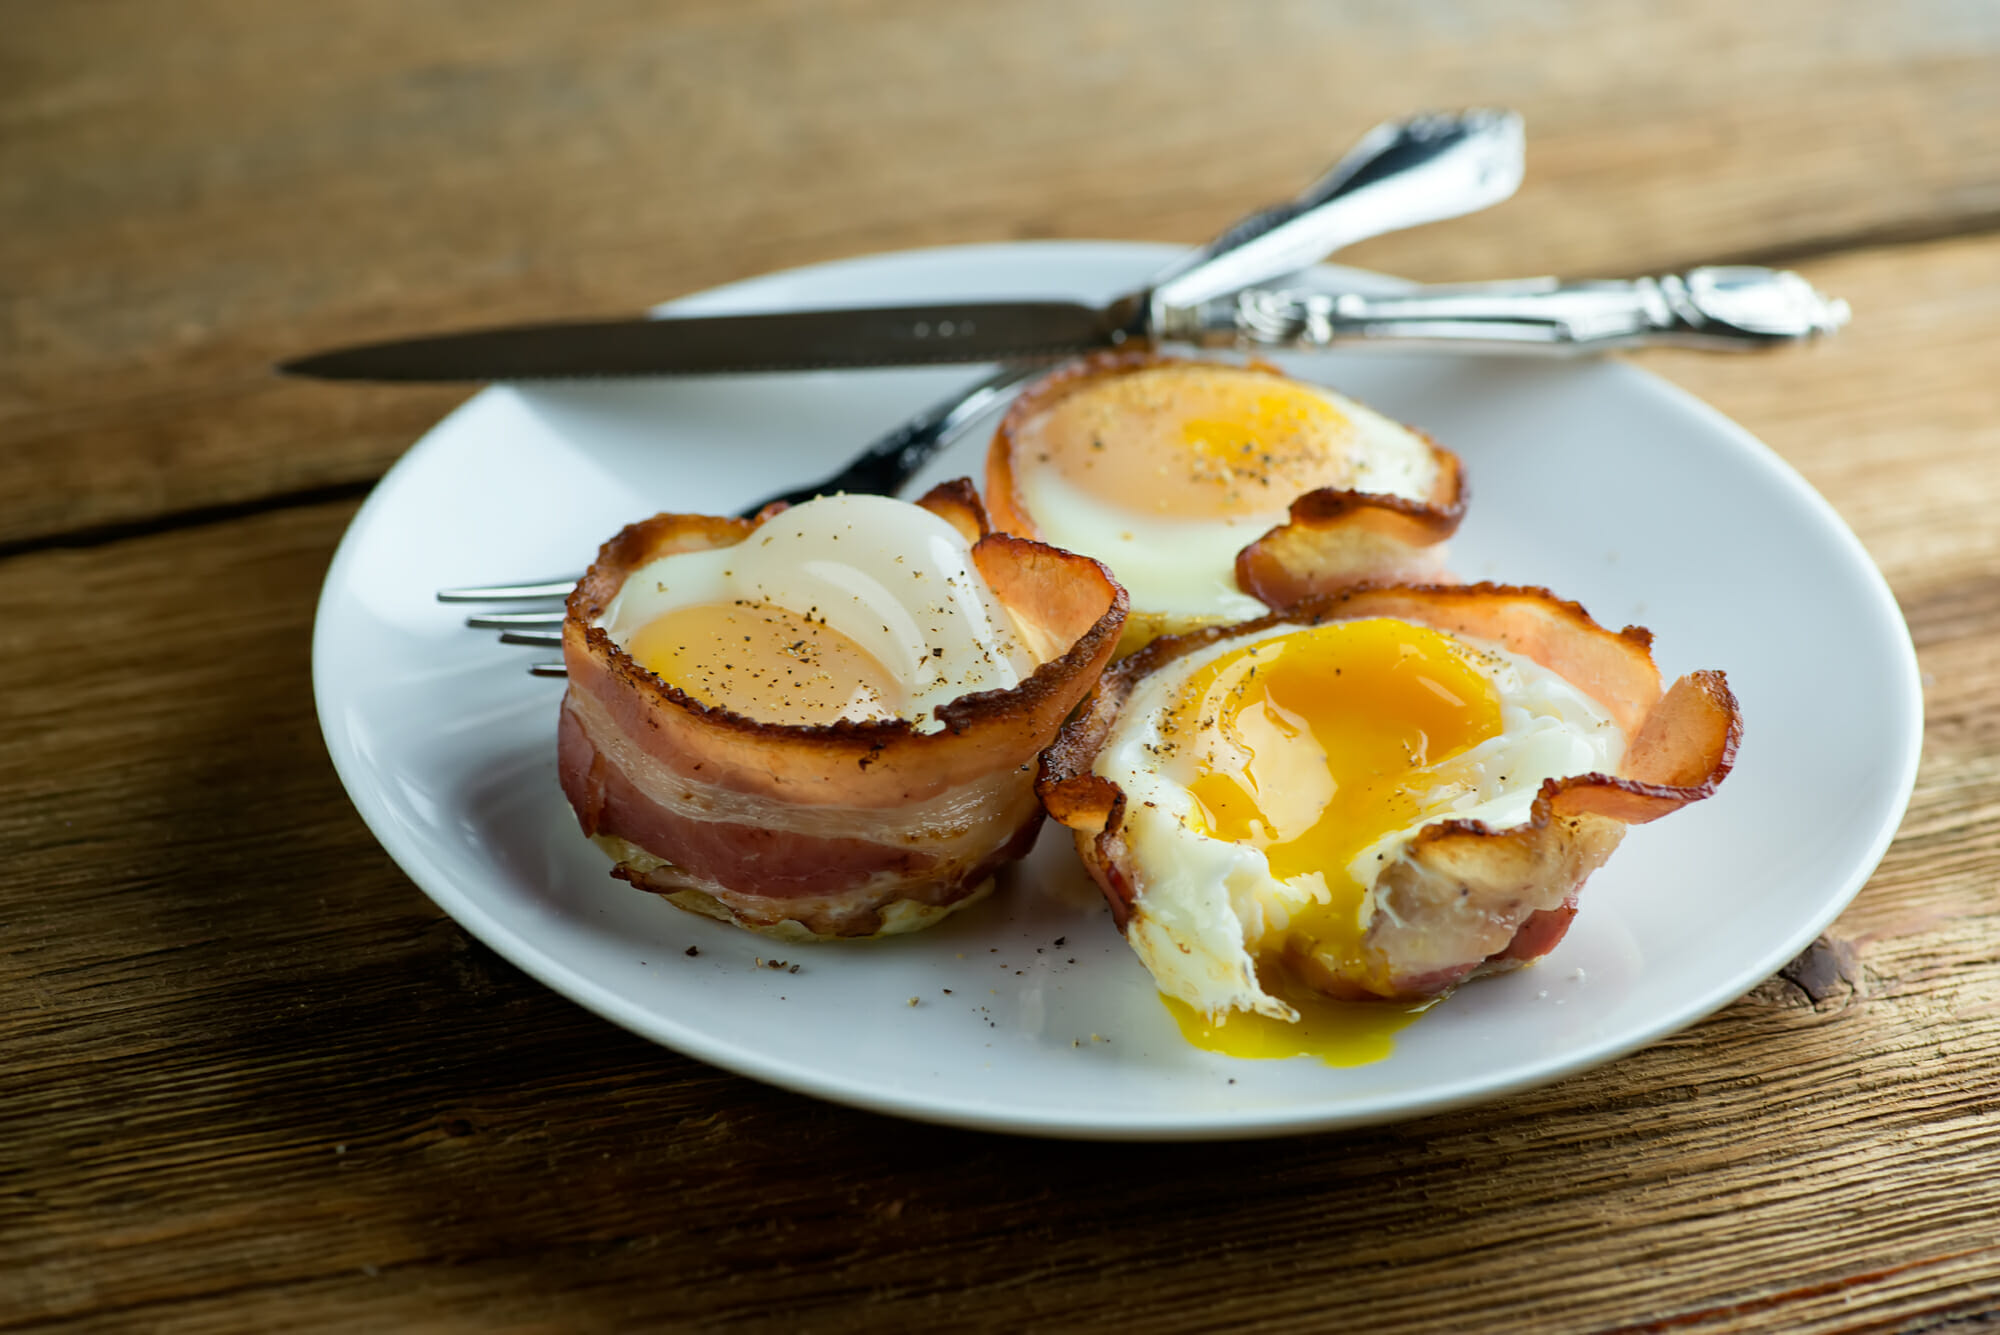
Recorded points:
(1339,1033)
(1313,746)
(1194,442)
(767,663)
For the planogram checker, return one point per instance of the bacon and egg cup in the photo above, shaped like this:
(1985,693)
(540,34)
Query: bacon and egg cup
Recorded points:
(1374,794)
(825,722)
(1216,492)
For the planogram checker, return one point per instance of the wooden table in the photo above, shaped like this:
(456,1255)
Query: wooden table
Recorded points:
(254,1080)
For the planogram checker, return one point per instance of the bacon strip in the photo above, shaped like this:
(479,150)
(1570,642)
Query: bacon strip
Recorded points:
(849,829)
(1465,899)
(1334,539)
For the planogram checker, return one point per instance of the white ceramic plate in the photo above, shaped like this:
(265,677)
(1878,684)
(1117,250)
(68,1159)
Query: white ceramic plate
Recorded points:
(1593,478)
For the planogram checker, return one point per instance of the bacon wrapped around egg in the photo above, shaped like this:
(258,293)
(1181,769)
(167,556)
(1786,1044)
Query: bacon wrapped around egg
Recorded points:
(824,723)
(1380,793)
(1216,492)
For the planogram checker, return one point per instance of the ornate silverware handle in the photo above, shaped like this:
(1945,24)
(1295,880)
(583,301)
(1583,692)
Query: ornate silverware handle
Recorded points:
(1403,173)
(1730,308)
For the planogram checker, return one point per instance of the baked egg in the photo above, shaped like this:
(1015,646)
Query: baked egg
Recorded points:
(852,608)
(1167,470)
(825,722)
(1376,795)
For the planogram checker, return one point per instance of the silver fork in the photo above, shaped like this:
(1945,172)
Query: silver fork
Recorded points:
(881,469)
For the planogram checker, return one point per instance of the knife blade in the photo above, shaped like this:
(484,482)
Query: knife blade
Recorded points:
(1425,168)
(704,345)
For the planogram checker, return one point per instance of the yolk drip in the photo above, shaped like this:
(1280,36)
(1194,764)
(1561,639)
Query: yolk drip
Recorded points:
(1319,743)
(1195,442)
(766,663)
(1339,1033)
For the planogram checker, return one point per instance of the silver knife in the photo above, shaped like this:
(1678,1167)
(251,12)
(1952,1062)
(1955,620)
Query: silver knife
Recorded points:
(1401,174)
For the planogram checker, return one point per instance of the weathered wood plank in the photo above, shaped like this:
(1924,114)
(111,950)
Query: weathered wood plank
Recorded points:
(254,1079)
(191,193)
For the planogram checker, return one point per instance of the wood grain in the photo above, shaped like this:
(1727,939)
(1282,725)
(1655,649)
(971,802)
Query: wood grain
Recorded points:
(191,193)
(1897,419)
(254,1078)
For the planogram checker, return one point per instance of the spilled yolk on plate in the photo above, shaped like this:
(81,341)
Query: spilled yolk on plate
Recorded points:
(1339,1033)
(767,663)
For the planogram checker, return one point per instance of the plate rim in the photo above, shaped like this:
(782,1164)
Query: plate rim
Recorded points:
(442,888)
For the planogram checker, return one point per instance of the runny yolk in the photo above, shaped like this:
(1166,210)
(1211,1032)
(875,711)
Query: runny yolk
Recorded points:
(1339,1033)
(1315,745)
(766,663)
(1194,442)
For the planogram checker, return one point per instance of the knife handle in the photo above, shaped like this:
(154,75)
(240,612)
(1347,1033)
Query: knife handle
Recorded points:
(1739,308)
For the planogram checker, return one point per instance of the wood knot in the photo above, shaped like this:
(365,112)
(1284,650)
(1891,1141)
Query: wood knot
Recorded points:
(480,973)
(1826,975)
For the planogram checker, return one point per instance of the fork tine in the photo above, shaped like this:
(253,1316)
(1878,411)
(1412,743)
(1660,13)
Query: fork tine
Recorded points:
(540,639)
(547,670)
(504,593)
(514,620)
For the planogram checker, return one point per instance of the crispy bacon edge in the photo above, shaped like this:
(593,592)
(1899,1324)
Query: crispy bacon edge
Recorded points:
(1331,539)
(1466,899)
(876,877)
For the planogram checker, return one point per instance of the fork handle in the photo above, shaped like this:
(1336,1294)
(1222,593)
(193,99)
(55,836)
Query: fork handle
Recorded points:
(883,468)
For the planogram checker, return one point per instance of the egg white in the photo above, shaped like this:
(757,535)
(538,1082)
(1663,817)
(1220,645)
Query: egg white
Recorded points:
(892,576)
(1203,902)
